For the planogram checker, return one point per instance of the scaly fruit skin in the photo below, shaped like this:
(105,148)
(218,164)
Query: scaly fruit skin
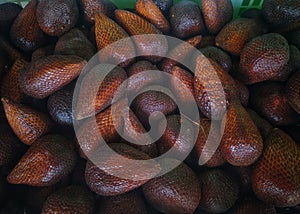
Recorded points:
(9,145)
(72,199)
(176,192)
(244,92)
(46,162)
(164,5)
(151,12)
(292,91)
(27,123)
(115,177)
(219,191)
(236,34)
(276,176)
(241,143)
(263,58)
(45,76)
(56,17)
(107,34)
(92,7)
(25,32)
(216,14)
(263,125)
(131,202)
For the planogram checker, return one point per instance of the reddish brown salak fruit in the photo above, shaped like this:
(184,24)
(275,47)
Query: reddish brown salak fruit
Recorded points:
(72,199)
(276,176)
(270,101)
(46,162)
(140,76)
(56,17)
(219,191)
(10,146)
(10,84)
(180,54)
(284,73)
(103,126)
(27,123)
(185,19)
(45,76)
(171,138)
(241,143)
(96,94)
(214,89)
(25,32)
(244,92)
(209,136)
(150,103)
(219,56)
(8,12)
(60,105)
(75,43)
(151,12)
(251,205)
(293,91)
(263,58)
(164,5)
(42,52)
(216,14)
(154,46)
(177,191)
(131,202)
(107,33)
(263,125)
(92,7)
(106,182)
(236,34)
(207,41)
(281,14)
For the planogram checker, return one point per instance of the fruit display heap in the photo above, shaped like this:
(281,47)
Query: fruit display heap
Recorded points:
(51,126)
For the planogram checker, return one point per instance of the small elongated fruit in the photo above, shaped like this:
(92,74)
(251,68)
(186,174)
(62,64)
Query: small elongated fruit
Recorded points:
(47,75)
(27,123)
(276,176)
(92,7)
(46,162)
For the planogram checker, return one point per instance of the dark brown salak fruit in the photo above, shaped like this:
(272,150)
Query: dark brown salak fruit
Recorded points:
(270,101)
(282,15)
(42,52)
(72,199)
(27,123)
(276,176)
(244,92)
(241,143)
(150,103)
(117,173)
(236,34)
(251,205)
(140,76)
(93,131)
(75,43)
(219,191)
(284,73)
(151,12)
(177,191)
(243,174)
(214,89)
(25,32)
(92,7)
(60,105)
(216,14)
(164,5)
(56,17)
(180,134)
(131,202)
(10,84)
(207,149)
(46,162)
(107,35)
(294,57)
(43,77)
(263,125)
(96,94)
(257,15)
(263,58)
(154,46)
(8,12)
(180,53)
(219,56)
(185,19)
(10,146)
(292,89)
(293,37)
(207,41)
(9,51)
